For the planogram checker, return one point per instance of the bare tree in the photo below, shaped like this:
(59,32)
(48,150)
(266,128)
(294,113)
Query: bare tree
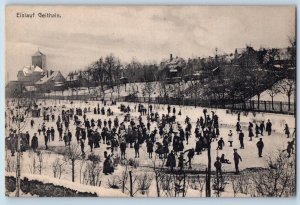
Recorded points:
(273,91)
(288,88)
(73,153)
(148,89)
(58,167)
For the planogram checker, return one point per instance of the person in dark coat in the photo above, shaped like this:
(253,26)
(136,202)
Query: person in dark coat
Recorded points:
(223,160)
(190,155)
(66,138)
(97,139)
(287,131)
(241,139)
(198,147)
(60,131)
(109,123)
(262,128)
(289,148)
(46,140)
(238,127)
(260,146)
(236,158)
(221,143)
(159,150)
(165,147)
(257,130)
(99,123)
(137,148)
(31,123)
(123,149)
(82,147)
(108,167)
(181,161)
(34,142)
(171,161)
(90,139)
(180,145)
(69,136)
(150,148)
(48,133)
(218,166)
(27,138)
(169,109)
(250,129)
(52,131)
(269,127)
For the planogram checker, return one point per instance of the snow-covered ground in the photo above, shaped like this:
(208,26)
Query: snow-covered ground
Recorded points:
(277,141)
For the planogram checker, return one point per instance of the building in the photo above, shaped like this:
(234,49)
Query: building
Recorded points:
(35,78)
(53,80)
(39,59)
(30,74)
(173,69)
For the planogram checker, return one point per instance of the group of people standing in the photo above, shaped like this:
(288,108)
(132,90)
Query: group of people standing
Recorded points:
(160,133)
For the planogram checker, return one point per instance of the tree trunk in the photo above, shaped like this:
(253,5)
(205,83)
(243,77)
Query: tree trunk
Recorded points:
(272,99)
(289,101)
(73,170)
(208,191)
(157,184)
(131,185)
(258,99)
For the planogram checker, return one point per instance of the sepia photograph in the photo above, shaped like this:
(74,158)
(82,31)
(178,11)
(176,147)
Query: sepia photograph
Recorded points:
(150,101)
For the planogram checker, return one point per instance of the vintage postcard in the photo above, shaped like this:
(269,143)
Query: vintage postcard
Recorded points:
(150,101)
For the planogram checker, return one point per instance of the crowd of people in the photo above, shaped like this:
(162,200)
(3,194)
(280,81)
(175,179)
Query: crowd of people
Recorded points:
(162,134)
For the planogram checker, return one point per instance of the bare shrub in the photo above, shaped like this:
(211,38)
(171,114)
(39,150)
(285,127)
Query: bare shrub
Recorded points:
(33,163)
(93,170)
(114,183)
(278,180)
(144,182)
(235,186)
(167,185)
(40,162)
(196,183)
(58,167)
(10,163)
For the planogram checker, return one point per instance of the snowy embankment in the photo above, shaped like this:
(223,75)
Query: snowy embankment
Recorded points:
(77,187)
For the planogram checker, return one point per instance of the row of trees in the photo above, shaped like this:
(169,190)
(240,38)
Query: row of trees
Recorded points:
(277,179)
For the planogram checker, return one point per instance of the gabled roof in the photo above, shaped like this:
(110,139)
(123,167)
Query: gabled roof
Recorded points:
(38,69)
(27,70)
(55,76)
(38,53)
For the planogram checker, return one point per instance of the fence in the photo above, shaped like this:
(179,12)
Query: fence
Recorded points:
(266,106)
(249,105)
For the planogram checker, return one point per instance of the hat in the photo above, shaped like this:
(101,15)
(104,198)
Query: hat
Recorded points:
(235,149)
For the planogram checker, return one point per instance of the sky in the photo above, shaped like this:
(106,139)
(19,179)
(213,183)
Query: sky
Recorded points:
(148,34)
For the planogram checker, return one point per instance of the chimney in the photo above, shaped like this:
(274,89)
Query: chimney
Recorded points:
(171,57)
